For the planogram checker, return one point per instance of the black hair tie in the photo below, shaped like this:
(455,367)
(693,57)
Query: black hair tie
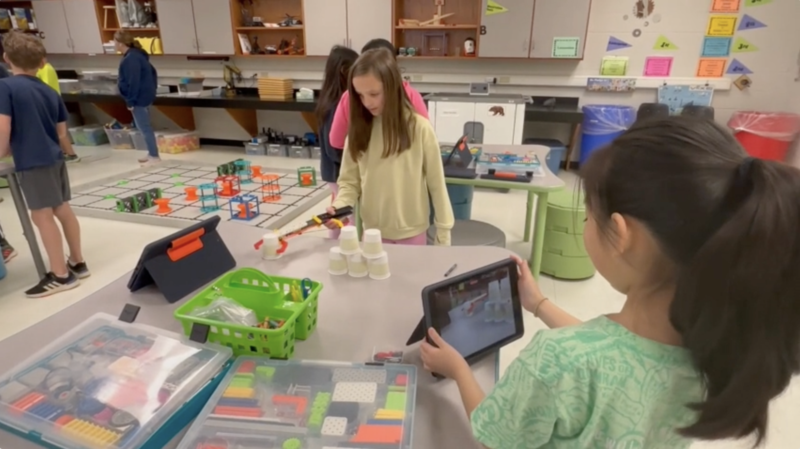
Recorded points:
(744,169)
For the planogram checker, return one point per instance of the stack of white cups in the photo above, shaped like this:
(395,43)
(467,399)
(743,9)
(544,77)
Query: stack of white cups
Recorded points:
(269,246)
(349,258)
(377,260)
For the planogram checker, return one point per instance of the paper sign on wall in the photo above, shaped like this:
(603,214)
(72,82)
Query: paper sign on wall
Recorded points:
(721,25)
(749,23)
(749,3)
(742,46)
(711,68)
(716,46)
(492,8)
(737,68)
(566,47)
(614,66)
(662,43)
(660,66)
(616,44)
(725,6)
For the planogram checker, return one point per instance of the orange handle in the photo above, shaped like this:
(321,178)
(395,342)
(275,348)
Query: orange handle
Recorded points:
(186,245)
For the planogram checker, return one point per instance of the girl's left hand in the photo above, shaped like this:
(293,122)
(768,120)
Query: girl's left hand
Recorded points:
(444,359)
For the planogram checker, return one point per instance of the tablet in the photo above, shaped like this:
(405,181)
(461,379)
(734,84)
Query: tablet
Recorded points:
(476,312)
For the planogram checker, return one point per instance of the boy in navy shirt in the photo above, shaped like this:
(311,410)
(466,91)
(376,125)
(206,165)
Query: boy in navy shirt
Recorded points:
(33,129)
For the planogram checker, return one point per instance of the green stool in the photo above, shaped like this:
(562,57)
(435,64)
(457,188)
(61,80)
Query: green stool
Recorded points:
(564,255)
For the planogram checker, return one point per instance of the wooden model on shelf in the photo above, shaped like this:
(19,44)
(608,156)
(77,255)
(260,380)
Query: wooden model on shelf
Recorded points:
(435,21)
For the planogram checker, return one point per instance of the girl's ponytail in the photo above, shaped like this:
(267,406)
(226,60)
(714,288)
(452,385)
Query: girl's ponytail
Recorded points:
(737,302)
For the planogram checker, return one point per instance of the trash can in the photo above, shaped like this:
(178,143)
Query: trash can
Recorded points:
(602,124)
(556,154)
(765,135)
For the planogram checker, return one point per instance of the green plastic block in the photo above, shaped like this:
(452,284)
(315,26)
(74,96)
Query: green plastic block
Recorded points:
(395,401)
(179,184)
(398,388)
(122,183)
(292,443)
(265,372)
(109,197)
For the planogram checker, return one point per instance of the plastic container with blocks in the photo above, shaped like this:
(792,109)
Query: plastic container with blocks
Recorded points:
(88,136)
(291,304)
(277,149)
(120,139)
(255,149)
(138,140)
(173,142)
(308,405)
(107,384)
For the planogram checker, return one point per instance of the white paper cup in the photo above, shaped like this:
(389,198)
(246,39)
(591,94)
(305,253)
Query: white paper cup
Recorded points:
(373,245)
(357,265)
(337,263)
(348,240)
(379,267)
(270,246)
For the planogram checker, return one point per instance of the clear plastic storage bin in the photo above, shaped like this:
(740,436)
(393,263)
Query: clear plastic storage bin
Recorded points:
(69,86)
(120,139)
(88,136)
(138,140)
(255,149)
(265,403)
(111,385)
(177,142)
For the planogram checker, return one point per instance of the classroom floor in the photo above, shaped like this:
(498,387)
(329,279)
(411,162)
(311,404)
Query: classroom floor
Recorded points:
(111,248)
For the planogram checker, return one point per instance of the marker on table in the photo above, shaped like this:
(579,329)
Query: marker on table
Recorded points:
(451,270)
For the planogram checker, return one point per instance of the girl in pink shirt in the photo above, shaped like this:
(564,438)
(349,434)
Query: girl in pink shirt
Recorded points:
(341,118)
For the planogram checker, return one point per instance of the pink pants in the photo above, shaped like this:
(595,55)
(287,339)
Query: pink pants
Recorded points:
(421,239)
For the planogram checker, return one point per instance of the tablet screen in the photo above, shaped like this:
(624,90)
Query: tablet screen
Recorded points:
(476,313)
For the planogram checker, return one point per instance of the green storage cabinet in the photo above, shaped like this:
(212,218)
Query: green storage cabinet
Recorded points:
(564,255)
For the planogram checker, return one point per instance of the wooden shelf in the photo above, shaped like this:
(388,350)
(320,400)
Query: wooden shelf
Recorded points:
(437,27)
(269,28)
(132,30)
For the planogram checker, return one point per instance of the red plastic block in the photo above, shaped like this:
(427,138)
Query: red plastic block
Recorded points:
(401,380)
(247,367)
(379,435)
(249,412)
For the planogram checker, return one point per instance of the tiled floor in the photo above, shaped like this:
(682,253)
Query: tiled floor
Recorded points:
(111,248)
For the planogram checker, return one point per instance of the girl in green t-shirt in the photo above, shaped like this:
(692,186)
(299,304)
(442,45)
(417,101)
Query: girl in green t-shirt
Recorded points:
(703,241)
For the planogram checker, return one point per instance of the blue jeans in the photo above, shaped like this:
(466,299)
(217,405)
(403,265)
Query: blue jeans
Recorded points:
(141,117)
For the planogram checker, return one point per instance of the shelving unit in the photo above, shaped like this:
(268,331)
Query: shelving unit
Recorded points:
(443,38)
(9,24)
(108,20)
(272,39)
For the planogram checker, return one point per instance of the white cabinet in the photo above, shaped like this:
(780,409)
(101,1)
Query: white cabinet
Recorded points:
(367,20)
(212,22)
(492,120)
(190,27)
(558,18)
(176,24)
(325,25)
(66,28)
(50,20)
(84,30)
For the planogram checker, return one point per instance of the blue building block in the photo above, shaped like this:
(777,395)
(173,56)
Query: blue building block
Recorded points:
(243,171)
(244,207)
(208,198)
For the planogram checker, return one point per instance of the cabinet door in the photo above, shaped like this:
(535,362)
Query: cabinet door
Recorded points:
(84,30)
(367,20)
(212,20)
(451,118)
(176,24)
(507,33)
(325,25)
(558,18)
(51,21)
(498,128)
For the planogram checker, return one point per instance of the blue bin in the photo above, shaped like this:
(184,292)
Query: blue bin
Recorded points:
(556,154)
(460,199)
(602,124)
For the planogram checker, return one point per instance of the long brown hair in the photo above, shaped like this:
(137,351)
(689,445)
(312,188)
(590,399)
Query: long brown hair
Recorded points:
(729,225)
(125,38)
(337,69)
(397,117)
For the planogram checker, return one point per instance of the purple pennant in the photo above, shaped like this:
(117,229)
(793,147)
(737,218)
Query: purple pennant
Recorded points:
(737,68)
(750,23)
(616,44)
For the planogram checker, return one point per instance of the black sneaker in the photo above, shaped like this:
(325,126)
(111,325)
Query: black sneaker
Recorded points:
(80,270)
(51,284)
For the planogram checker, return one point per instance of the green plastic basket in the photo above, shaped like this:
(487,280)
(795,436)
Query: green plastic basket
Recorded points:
(267,296)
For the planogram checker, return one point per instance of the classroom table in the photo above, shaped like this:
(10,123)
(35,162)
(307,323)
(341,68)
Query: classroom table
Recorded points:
(7,171)
(355,316)
(539,187)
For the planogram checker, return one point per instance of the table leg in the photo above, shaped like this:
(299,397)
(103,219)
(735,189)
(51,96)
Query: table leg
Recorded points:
(538,235)
(25,221)
(526,236)
(576,131)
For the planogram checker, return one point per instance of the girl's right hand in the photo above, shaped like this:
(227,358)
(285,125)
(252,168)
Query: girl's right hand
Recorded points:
(530,294)
(330,224)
